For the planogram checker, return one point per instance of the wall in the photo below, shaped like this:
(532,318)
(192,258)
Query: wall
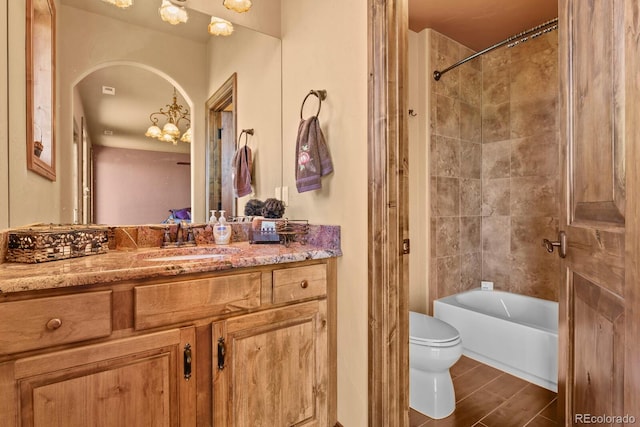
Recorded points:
(419,195)
(493,166)
(324,46)
(256,59)
(520,167)
(4,120)
(136,176)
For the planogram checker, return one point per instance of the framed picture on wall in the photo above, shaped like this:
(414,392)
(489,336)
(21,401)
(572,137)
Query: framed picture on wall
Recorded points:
(40,73)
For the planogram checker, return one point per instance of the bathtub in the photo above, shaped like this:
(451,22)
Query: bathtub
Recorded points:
(514,333)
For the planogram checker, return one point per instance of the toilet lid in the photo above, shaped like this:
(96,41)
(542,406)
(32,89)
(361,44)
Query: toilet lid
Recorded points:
(426,329)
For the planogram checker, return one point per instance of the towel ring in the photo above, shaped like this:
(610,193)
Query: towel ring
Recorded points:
(320,94)
(246,133)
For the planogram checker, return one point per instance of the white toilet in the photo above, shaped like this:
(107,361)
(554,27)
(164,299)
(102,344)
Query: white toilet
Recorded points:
(434,346)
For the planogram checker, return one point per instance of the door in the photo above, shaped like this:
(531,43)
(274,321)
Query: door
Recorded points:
(270,368)
(597,65)
(139,381)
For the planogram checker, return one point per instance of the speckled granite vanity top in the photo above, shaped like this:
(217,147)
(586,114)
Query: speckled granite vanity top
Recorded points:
(119,265)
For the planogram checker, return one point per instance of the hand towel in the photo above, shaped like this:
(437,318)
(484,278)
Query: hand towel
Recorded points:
(312,155)
(241,171)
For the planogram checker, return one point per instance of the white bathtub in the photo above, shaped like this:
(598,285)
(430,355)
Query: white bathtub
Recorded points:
(514,333)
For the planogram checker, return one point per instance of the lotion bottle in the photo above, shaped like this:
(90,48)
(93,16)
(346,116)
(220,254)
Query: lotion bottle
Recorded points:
(222,231)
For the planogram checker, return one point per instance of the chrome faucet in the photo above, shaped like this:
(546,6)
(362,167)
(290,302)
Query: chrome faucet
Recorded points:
(182,227)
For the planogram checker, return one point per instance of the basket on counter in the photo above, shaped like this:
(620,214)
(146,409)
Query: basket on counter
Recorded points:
(43,243)
(292,231)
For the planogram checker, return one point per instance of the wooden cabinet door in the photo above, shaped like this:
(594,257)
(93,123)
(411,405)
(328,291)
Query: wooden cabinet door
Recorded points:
(137,381)
(598,44)
(274,369)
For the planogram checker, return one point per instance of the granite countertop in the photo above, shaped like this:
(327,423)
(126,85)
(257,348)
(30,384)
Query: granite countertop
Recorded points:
(119,265)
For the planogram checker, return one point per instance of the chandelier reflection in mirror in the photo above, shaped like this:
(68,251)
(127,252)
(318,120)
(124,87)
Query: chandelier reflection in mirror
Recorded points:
(237,5)
(173,11)
(122,4)
(170,132)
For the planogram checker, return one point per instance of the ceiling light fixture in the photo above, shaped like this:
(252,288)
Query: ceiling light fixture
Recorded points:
(170,131)
(220,27)
(122,4)
(237,5)
(173,11)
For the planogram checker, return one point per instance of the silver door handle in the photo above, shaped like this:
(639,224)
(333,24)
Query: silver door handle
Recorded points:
(561,244)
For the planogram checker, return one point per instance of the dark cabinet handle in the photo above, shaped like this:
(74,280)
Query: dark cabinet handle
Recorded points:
(187,362)
(222,350)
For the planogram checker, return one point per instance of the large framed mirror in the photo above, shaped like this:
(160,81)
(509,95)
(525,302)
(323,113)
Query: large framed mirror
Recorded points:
(41,71)
(94,34)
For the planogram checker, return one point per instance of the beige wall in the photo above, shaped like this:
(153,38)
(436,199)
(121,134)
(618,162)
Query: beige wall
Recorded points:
(4,128)
(324,46)
(419,197)
(256,58)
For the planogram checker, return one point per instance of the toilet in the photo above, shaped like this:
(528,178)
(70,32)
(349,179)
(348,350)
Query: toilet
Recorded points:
(434,346)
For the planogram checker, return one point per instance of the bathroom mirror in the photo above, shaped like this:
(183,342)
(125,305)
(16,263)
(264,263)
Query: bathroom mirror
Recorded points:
(94,35)
(41,71)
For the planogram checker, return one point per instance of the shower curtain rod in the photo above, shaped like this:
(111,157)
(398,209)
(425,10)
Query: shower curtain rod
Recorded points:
(511,41)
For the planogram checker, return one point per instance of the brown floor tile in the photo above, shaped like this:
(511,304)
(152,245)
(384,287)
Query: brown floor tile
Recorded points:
(506,385)
(488,397)
(470,410)
(416,419)
(462,366)
(551,411)
(473,380)
(521,408)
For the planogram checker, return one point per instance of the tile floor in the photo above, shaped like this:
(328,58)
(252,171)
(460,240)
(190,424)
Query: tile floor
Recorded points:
(488,397)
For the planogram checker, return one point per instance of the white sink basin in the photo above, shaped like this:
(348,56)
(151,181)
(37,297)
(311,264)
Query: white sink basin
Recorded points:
(193,253)
(187,257)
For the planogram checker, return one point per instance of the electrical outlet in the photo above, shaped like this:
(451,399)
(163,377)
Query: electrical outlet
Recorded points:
(285,196)
(278,193)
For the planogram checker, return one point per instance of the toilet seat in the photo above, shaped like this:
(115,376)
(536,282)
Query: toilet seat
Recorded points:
(429,331)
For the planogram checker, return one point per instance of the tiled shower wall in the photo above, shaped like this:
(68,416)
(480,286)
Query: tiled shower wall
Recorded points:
(495,169)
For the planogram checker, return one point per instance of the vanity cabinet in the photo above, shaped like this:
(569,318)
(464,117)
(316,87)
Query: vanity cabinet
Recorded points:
(138,381)
(252,346)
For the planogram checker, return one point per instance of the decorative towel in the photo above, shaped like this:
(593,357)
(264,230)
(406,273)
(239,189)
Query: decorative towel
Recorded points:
(241,171)
(312,155)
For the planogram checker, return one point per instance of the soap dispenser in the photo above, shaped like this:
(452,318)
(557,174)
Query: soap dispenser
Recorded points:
(212,218)
(222,231)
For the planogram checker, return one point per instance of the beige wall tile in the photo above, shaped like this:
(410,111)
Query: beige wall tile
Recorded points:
(496,235)
(470,271)
(535,196)
(496,122)
(470,234)
(470,159)
(496,197)
(447,116)
(536,156)
(470,197)
(533,117)
(447,157)
(448,197)
(447,236)
(470,123)
(496,159)
(471,83)
(448,271)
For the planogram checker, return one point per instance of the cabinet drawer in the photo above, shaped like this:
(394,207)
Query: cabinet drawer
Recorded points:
(180,301)
(292,284)
(44,322)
